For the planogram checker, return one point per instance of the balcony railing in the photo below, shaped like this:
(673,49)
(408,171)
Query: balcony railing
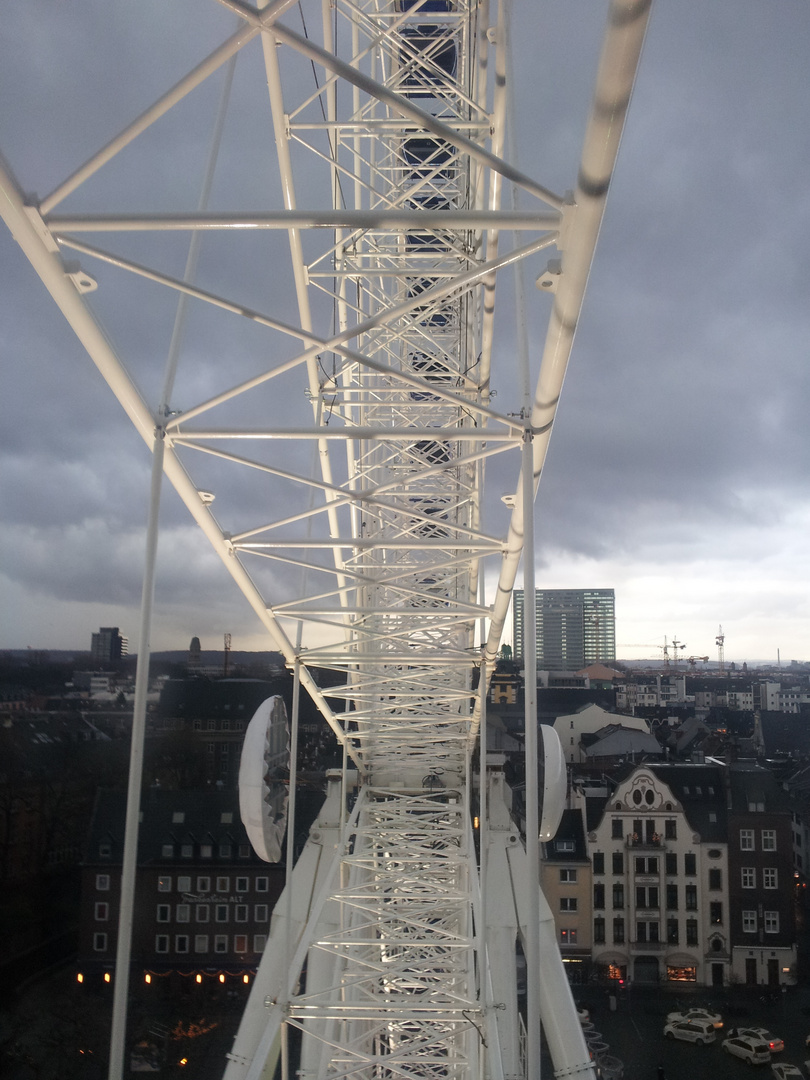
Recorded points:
(640,843)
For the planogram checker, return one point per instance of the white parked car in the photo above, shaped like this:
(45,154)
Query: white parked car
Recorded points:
(715,1019)
(775,1044)
(749,1048)
(694,1031)
(783,1071)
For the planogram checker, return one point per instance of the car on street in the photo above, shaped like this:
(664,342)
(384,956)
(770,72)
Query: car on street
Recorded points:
(775,1044)
(748,1047)
(694,1031)
(715,1019)
(783,1071)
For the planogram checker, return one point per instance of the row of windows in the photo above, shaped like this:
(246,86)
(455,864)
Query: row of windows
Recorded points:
(241,912)
(647,896)
(219,725)
(770,877)
(644,831)
(201,943)
(203,884)
(748,839)
(225,849)
(222,884)
(182,912)
(206,851)
(647,864)
(647,930)
(181,943)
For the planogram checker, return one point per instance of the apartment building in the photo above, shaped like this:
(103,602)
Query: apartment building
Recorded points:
(565,878)
(203,898)
(692,870)
(761,875)
(650,691)
(657,846)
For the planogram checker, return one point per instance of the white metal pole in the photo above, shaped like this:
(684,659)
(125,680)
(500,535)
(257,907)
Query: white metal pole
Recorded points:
(532,800)
(130,859)
(129,870)
(291,809)
(483,834)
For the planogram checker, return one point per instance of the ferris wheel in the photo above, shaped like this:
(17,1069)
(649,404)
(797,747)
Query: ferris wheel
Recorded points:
(323,261)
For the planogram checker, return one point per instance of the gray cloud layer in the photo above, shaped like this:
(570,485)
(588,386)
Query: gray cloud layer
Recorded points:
(678,468)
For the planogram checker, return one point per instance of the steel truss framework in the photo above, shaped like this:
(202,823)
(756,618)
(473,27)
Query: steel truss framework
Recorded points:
(388,126)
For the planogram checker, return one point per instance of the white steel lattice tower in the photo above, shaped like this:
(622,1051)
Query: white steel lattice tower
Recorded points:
(342,418)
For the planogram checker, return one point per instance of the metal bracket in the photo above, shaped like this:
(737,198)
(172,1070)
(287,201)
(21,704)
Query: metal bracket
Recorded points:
(83,281)
(551,276)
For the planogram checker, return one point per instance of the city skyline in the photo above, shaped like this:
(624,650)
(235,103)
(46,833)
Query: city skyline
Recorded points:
(667,475)
(213,643)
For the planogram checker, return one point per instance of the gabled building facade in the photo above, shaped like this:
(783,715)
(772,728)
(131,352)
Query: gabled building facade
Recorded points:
(660,891)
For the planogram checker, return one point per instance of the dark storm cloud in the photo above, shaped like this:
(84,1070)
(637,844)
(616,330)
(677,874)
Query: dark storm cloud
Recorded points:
(679,457)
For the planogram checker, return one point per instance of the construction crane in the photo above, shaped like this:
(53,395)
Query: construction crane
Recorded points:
(720,642)
(343,416)
(675,646)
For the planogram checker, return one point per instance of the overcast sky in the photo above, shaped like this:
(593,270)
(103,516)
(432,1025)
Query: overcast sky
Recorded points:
(679,469)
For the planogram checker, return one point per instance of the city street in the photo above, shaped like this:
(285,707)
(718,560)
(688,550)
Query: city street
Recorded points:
(634,1032)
